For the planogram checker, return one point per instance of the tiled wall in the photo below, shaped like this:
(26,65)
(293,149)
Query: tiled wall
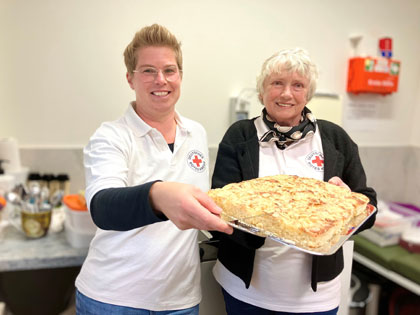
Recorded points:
(55,161)
(394,172)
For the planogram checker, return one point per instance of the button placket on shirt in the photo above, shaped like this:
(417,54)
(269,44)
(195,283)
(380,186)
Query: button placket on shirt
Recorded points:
(161,145)
(179,140)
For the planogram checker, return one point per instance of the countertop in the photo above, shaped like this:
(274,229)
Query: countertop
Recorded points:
(17,252)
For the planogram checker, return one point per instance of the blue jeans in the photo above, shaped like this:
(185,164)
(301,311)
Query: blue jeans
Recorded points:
(237,307)
(88,306)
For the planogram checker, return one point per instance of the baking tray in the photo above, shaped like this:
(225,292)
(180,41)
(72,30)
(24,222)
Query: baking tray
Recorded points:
(323,251)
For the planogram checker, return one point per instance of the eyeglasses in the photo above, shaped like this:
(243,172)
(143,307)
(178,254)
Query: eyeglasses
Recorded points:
(149,74)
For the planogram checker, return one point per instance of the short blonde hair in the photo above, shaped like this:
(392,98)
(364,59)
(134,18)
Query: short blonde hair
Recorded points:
(289,60)
(154,35)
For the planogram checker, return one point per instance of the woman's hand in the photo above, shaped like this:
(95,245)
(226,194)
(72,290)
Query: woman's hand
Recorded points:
(187,207)
(338,182)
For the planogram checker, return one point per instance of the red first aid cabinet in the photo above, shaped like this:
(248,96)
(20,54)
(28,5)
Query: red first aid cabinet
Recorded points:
(373,75)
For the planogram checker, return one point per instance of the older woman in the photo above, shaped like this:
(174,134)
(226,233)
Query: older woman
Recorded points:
(258,275)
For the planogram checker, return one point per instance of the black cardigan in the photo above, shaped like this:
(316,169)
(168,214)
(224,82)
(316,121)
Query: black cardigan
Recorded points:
(238,160)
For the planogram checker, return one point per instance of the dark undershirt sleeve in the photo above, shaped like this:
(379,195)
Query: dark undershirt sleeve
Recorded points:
(123,209)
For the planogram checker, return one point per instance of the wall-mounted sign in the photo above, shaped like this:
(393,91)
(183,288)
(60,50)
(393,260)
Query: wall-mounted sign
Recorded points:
(385,47)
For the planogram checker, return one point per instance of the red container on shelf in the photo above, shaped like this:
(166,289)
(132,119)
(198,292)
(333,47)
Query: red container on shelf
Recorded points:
(373,75)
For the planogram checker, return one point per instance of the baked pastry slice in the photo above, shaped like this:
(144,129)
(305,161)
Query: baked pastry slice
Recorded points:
(309,213)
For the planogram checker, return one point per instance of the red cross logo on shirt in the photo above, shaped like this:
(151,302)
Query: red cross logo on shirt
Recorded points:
(317,161)
(197,161)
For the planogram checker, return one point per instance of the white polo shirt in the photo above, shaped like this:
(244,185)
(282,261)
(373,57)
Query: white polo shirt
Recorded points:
(281,279)
(157,266)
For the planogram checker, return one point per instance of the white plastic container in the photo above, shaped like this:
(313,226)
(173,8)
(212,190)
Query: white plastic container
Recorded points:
(78,224)
(80,220)
(20,175)
(7,182)
(77,214)
(76,238)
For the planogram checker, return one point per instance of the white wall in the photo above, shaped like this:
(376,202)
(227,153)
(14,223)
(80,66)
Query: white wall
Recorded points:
(416,116)
(62,71)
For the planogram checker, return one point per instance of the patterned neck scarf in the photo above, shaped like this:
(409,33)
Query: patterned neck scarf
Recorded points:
(284,136)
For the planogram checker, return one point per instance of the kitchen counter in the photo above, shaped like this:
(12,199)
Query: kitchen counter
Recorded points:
(17,252)
(42,272)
